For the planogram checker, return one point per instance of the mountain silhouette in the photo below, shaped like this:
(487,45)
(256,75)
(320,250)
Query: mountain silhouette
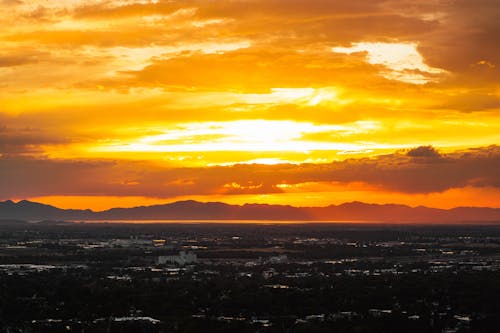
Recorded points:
(194,210)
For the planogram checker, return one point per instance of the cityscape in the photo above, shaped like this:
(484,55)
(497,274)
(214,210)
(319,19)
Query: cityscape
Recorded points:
(249,166)
(192,277)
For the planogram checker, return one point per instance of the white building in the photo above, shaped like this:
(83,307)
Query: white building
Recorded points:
(182,258)
(281,259)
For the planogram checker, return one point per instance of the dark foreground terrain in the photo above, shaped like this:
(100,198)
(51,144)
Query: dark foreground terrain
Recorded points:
(75,277)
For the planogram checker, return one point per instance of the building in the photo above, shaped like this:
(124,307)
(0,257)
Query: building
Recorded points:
(182,258)
(281,259)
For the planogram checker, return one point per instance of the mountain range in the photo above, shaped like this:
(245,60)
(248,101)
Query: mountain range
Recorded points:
(194,210)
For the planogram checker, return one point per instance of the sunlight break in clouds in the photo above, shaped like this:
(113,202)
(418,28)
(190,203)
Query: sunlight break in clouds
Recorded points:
(299,96)
(128,58)
(403,60)
(245,135)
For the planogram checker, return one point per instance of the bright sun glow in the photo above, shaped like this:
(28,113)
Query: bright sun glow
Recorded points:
(247,135)
(299,96)
(307,96)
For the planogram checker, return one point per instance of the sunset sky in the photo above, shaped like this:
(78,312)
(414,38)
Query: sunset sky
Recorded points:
(301,102)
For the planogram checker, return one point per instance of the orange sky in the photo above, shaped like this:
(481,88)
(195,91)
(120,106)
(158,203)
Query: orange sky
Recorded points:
(302,102)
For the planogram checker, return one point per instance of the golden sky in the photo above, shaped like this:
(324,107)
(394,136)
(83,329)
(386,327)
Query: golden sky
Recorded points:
(302,102)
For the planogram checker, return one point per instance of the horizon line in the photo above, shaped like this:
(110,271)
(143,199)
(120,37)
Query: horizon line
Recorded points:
(253,203)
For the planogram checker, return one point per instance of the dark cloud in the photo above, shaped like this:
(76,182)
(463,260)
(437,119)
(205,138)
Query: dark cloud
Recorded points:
(424,151)
(414,171)
(27,140)
(468,29)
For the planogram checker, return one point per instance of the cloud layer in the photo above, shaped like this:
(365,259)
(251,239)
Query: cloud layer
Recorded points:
(419,170)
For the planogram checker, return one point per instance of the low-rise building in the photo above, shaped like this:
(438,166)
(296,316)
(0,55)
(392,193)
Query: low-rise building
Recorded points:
(182,258)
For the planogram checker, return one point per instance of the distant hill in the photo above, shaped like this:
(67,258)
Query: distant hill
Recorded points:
(34,211)
(194,210)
